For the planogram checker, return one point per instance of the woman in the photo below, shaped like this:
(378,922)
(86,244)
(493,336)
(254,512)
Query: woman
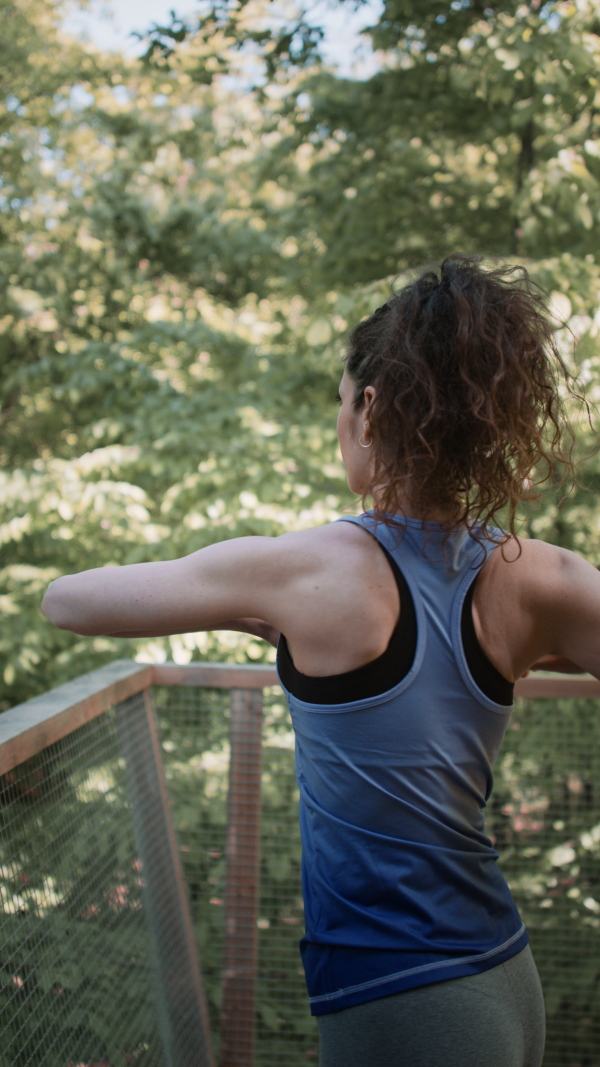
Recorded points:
(405,631)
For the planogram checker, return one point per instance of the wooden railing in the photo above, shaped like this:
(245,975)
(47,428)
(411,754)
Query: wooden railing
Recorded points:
(31,727)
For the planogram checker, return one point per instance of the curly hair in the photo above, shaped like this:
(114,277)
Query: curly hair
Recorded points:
(464,367)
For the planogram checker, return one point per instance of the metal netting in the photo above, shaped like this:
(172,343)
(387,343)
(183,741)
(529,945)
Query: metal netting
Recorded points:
(98,965)
(95,957)
(75,963)
(543,817)
(195,727)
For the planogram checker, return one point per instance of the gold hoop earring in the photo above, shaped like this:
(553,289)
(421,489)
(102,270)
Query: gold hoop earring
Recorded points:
(364,446)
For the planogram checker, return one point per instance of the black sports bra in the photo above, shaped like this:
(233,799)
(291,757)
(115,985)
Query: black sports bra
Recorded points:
(393,665)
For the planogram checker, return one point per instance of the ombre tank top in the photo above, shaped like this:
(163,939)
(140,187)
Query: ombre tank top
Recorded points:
(401,883)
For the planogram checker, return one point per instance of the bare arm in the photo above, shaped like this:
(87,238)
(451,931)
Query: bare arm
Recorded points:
(256,627)
(555,663)
(243,583)
(568,608)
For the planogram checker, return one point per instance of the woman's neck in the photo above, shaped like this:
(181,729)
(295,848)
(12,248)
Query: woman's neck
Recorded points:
(414,511)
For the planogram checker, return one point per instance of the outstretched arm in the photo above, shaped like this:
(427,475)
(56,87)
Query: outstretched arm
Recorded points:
(256,627)
(568,612)
(555,663)
(241,584)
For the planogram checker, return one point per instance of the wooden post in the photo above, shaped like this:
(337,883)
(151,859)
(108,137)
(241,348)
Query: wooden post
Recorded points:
(181,1006)
(243,873)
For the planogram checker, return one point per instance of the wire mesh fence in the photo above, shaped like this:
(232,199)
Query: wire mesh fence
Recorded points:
(86,941)
(543,817)
(75,961)
(195,727)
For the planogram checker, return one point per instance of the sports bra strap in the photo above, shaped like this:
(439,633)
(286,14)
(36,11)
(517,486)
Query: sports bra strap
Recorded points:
(388,669)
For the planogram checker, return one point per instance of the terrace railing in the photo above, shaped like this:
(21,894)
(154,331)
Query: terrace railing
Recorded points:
(150,901)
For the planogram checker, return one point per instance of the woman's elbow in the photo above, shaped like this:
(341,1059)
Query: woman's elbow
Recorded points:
(57,608)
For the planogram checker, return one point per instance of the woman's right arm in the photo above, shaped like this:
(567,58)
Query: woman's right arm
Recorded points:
(555,663)
(567,614)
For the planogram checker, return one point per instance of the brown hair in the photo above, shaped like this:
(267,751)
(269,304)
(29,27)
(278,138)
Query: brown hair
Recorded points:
(463,368)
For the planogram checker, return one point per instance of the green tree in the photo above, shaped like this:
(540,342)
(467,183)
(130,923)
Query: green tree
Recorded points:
(155,395)
(479,133)
(182,256)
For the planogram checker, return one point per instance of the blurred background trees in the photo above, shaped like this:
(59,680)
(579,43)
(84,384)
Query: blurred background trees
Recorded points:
(187,237)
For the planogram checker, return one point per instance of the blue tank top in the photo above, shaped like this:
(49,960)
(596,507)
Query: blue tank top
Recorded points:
(401,884)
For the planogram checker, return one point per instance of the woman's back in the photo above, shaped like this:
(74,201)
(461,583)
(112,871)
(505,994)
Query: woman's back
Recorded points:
(345,616)
(400,880)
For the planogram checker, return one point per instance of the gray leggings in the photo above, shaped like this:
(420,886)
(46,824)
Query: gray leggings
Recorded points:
(492,1019)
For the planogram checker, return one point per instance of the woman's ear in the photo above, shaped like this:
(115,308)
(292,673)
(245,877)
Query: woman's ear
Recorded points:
(369,394)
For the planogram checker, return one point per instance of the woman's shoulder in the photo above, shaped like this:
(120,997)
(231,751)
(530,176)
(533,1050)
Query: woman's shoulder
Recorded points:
(328,534)
(529,557)
(335,541)
(341,602)
(519,568)
(558,592)
(342,560)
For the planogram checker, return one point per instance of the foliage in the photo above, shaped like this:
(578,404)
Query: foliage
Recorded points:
(152,402)
(281,42)
(182,260)
(182,257)
(478,134)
